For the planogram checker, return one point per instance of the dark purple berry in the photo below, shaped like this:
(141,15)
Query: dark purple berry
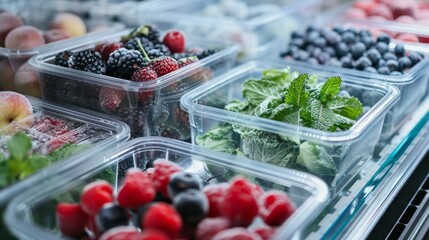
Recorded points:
(348,37)
(389,56)
(383,38)
(362,63)
(346,62)
(110,216)
(415,58)
(399,50)
(323,58)
(342,49)
(192,205)
(383,70)
(357,50)
(373,55)
(381,47)
(320,42)
(370,69)
(404,63)
(182,181)
(392,65)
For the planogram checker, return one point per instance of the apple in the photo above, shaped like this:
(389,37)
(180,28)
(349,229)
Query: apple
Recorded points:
(14,107)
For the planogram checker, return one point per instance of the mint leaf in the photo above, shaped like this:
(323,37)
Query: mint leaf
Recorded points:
(347,107)
(256,90)
(286,113)
(266,107)
(297,95)
(19,145)
(329,89)
(238,106)
(316,160)
(219,139)
(323,117)
(283,76)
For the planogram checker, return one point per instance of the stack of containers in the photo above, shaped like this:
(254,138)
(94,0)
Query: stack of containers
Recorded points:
(345,150)
(32,214)
(52,127)
(256,26)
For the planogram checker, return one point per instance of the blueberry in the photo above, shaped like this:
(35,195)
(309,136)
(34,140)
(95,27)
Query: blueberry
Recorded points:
(316,52)
(370,69)
(192,205)
(320,42)
(110,216)
(303,55)
(367,40)
(334,62)
(312,60)
(399,50)
(342,49)
(415,58)
(311,37)
(338,29)
(381,47)
(309,48)
(299,42)
(182,181)
(389,56)
(373,55)
(395,73)
(323,58)
(291,50)
(362,63)
(331,51)
(332,38)
(348,37)
(383,38)
(296,34)
(383,70)
(344,93)
(392,65)
(353,31)
(346,62)
(312,28)
(381,63)
(364,33)
(357,50)
(404,63)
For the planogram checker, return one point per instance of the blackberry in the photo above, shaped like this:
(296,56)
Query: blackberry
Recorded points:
(148,31)
(162,48)
(206,53)
(123,62)
(133,45)
(178,56)
(99,67)
(61,59)
(82,59)
(155,53)
(135,118)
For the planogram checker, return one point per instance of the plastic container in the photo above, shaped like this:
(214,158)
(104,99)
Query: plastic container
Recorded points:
(257,26)
(12,60)
(346,150)
(156,115)
(32,214)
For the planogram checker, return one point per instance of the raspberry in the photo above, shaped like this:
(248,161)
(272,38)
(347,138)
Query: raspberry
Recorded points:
(82,59)
(239,202)
(142,75)
(108,48)
(121,233)
(275,208)
(163,217)
(236,233)
(209,227)
(265,232)
(161,176)
(164,65)
(71,219)
(110,99)
(95,195)
(175,41)
(150,172)
(123,62)
(91,225)
(186,61)
(152,234)
(136,190)
(61,59)
(215,194)
(98,67)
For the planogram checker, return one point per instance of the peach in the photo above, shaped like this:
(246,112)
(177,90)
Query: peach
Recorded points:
(8,23)
(14,107)
(55,35)
(27,81)
(24,37)
(404,8)
(407,37)
(6,76)
(381,10)
(405,19)
(355,13)
(364,5)
(70,23)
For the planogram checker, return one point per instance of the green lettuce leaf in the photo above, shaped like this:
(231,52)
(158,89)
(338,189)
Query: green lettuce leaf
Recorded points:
(349,107)
(219,139)
(316,160)
(256,91)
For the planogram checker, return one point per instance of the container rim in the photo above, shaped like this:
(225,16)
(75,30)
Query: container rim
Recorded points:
(39,62)
(312,206)
(122,133)
(187,102)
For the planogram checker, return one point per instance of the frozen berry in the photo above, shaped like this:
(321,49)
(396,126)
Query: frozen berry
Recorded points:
(209,227)
(95,195)
(192,205)
(357,50)
(98,67)
(161,176)
(121,233)
(383,70)
(164,65)
(71,219)
(110,216)
(415,58)
(381,47)
(239,202)
(265,232)
(215,194)
(348,37)
(182,181)
(389,56)
(61,59)
(399,50)
(110,99)
(392,65)
(136,190)
(186,61)
(404,63)
(175,41)
(123,63)
(275,208)
(235,234)
(80,60)
(108,48)
(362,63)
(373,55)
(383,38)
(346,62)
(163,217)
(342,49)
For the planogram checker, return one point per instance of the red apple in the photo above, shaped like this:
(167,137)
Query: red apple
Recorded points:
(14,107)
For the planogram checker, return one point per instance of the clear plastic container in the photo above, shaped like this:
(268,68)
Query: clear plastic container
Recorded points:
(31,215)
(156,115)
(346,150)
(257,26)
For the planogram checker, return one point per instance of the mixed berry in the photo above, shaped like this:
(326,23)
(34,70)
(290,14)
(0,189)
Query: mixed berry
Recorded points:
(164,202)
(350,48)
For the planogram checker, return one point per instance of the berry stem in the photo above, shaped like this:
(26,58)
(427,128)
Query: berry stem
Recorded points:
(142,50)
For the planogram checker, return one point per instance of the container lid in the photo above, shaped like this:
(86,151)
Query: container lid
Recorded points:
(52,127)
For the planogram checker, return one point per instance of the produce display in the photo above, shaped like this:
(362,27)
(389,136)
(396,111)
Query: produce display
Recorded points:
(350,48)
(164,202)
(411,12)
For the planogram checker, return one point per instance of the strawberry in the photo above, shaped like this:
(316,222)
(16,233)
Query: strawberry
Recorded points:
(162,173)
(275,208)
(209,227)
(239,202)
(95,195)
(265,232)
(108,48)
(175,41)
(136,190)
(164,65)
(71,219)
(121,233)
(144,74)
(235,234)
(186,61)
(110,99)
(215,194)
(163,217)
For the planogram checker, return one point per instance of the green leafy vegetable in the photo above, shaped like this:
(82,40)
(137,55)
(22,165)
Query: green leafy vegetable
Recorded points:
(316,159)
(219,139)
(19,145)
